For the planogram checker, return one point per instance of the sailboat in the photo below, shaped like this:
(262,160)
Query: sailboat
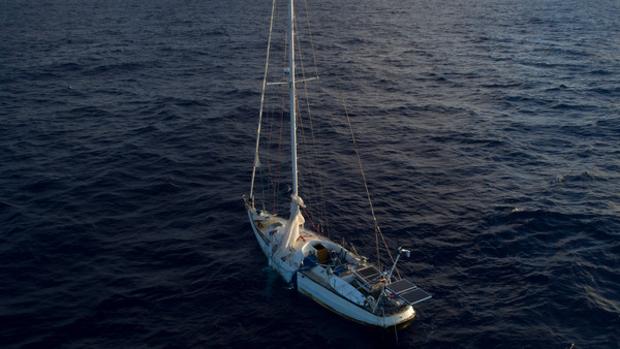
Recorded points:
(336,277)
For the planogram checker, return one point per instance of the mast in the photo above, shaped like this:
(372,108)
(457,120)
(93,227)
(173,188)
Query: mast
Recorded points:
(293,99)
(296,219)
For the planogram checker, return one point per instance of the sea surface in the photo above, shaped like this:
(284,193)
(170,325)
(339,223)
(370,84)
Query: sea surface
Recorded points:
(489,131)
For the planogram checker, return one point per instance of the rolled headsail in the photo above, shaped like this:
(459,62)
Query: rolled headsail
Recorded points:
(295,223)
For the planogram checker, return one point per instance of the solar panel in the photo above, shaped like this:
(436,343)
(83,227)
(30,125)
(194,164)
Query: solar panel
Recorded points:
(401,286)
(415,296)
(368,272)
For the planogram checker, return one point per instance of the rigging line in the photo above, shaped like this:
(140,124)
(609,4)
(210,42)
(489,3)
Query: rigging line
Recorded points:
(267,167)
(270,161)
(307,9)
(283,102)
(329,121)
(378,232)
(385,245)
(307,15)
(309,199)
(262,101)
(314,153)
(267,159)
(314,56)
(337,130)
(359,162)
(279,155)
(263,182)
(302,178)
(297,102)
(269,127)
(308,180)
(272,165)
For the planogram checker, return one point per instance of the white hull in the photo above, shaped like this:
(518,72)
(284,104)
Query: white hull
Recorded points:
(282,268)
(344,307)
(326,296)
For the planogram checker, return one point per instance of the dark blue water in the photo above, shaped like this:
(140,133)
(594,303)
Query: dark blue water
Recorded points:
(490,132)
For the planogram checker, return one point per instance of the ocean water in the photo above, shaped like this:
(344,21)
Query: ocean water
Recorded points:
(489,130)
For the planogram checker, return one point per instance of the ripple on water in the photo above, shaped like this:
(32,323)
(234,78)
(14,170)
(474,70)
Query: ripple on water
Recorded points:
(488,132)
